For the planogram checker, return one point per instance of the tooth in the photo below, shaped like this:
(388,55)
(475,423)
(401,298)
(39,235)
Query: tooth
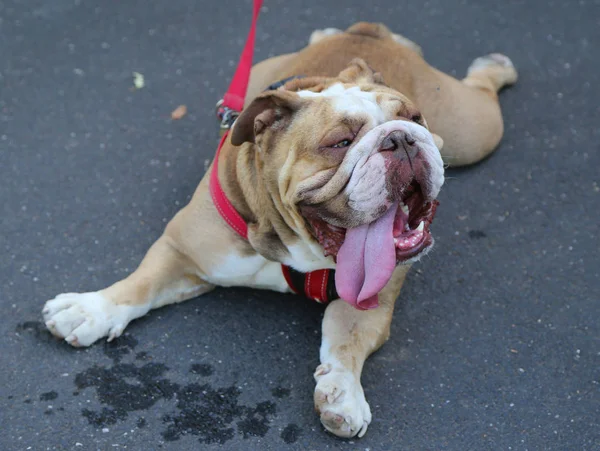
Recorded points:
(421,227)
(395,241)
(404,209)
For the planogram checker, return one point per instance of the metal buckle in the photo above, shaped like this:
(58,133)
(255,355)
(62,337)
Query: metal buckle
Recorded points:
(226,116)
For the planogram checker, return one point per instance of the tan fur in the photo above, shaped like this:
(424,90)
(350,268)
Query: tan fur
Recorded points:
(468,120)
(465,114)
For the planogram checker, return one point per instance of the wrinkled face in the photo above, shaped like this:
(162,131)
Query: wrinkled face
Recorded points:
(356,164)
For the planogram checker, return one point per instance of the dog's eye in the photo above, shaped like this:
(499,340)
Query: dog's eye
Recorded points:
(417,118)
(342,144)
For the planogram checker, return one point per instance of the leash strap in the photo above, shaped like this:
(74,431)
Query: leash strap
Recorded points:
(236,94)
(228,109)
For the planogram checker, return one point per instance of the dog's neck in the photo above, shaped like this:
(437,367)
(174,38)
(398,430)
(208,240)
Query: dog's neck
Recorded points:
(240,175)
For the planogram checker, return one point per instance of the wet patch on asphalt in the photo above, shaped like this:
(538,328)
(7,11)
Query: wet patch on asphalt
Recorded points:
(212,414)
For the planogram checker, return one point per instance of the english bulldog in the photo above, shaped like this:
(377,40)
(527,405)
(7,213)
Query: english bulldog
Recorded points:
(339,170)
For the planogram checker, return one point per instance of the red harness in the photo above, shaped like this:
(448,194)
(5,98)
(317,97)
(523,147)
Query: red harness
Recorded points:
(317,285)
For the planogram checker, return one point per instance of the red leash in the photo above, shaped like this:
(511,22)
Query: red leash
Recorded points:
(228,110)
(318,285)
(236,94)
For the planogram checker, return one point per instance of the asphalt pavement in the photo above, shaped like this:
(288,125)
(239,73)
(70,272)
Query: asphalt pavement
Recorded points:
(496,338)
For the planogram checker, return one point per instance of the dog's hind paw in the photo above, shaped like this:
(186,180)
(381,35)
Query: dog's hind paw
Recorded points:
(497,66)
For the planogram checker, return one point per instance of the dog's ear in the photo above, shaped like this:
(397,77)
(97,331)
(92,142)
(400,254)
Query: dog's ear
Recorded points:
(360,72)
(270,110)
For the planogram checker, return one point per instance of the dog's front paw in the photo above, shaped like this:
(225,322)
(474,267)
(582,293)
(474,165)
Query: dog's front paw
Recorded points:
(83,318)
(340,400)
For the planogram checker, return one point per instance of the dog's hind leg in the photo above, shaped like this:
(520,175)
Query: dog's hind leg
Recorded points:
(491,73)
(471,122)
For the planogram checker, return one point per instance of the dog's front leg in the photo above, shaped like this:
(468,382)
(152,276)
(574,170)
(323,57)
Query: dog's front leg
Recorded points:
(165,276)
(349,337)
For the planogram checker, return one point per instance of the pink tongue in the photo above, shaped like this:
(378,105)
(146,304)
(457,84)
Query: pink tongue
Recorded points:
(366,261)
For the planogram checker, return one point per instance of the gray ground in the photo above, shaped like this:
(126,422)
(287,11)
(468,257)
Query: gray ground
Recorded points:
(495,342)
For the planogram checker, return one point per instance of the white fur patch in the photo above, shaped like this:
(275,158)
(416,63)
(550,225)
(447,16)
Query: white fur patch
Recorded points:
(339,397)
(83,318)
(306,256)
(325,355)
(253,271)
(368,184)
(350,101)
(258,272)
(369,144)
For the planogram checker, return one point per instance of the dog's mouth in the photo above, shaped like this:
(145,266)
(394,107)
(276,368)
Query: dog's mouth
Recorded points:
(411,233)
(411,224)
(367,255)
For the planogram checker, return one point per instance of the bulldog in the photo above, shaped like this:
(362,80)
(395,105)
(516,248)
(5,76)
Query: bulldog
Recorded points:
(337,170)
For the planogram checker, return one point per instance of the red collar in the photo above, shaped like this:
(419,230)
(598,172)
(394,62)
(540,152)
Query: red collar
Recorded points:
(317,285)
(223,204)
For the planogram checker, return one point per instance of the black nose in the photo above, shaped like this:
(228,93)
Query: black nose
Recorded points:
(402,141)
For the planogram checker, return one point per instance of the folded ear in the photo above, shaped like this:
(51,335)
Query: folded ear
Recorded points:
(359,71)
(439,142)
(271,110)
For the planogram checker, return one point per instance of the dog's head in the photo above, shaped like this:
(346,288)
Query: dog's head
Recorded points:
(352,162)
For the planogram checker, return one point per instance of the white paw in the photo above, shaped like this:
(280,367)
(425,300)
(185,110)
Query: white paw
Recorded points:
(498,60)
(340,400)
(83,318)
